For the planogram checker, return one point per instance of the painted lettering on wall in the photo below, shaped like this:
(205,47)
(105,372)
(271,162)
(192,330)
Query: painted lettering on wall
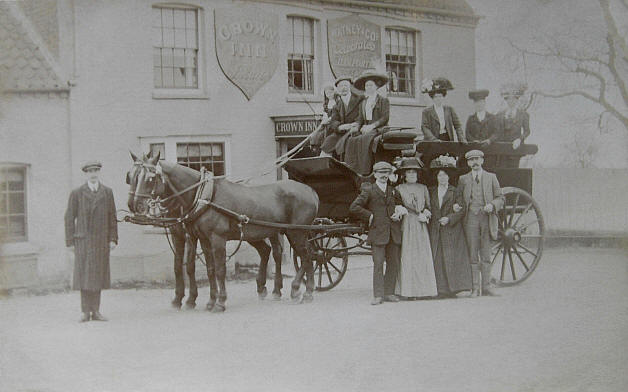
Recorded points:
(354,45)
(295,127)
(247,46)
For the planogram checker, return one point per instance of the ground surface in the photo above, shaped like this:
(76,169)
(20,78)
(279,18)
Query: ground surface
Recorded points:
(565,329)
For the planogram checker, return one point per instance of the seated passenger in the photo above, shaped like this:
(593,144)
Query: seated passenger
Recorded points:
(515,121)
(344,117)
(323,130)
(482,126)
(373,115)
(439,121)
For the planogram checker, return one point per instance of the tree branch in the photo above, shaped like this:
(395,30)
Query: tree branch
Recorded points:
(612,28)
(554,53)
(613,68)
(612,110)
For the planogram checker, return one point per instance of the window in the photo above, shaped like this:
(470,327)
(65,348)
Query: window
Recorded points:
(175,47)
(158,148)
(195,151)
(208,155)
(400,48)
(301,55)
(13,203)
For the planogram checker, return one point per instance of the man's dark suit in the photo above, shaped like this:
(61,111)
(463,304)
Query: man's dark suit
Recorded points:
(335,142)
(384,233)
(430,124)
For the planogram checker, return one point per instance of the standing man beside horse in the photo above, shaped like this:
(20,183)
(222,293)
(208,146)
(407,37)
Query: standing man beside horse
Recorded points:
(91,230)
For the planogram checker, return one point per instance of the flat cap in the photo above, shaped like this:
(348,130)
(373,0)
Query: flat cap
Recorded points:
(474,154)
(91,165)
(476,95)
(382,165)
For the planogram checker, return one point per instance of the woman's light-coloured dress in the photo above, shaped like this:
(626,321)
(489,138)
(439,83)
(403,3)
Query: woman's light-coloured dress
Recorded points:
(416,270)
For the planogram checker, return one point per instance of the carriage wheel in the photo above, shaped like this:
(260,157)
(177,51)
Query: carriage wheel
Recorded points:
(519,247)
(330,260)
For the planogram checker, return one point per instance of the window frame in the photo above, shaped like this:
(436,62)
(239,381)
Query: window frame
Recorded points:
(25,192)
(409,32)
(170,146)
(315,94)
(200,92)
(418,100)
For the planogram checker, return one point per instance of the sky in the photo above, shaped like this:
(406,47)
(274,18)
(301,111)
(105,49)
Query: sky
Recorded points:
(563,126)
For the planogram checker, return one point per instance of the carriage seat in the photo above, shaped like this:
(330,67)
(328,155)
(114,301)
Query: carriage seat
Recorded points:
(396,139)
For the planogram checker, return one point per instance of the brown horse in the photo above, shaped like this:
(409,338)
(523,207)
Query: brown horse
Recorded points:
(184,246)
(286,202)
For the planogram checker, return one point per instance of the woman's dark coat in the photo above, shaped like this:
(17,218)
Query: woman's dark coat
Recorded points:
(449,247)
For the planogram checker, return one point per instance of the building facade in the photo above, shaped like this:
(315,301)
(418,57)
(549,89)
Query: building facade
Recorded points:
(224,84)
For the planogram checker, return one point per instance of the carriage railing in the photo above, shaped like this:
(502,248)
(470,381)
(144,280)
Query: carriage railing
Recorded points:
(459,149)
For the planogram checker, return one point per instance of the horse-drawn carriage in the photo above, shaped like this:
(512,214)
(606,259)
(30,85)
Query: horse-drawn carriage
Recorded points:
(517,250)
(197,207)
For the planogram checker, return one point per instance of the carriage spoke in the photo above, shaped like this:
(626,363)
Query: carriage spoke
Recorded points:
(528,250)
(521,259)
(503,265)
(512,265)
(498,248)
(328,274)
(522,214)
(334,267)
(328,241)
(514,208)
(527,225)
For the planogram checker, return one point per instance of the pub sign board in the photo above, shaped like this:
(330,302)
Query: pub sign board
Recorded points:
(292,126)
(247,46)
(354,44)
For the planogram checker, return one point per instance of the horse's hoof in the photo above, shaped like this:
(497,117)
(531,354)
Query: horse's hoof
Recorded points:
(307,298)
(262,294)
(218,308)
(295,295)
(176,304)
(190,305)
(276,296)
(210,305)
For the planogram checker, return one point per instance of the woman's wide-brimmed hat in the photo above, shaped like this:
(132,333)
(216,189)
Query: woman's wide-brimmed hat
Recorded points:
(513,90)
(437,85)
(341,78)
(444,162)
(380,79)
(407,164)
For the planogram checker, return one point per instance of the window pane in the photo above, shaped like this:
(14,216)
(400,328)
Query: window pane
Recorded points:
(3,205)
(217,151)
(157,77)
(190,19)
(219,169)
(17,228)
(16,203)
(167,17)
(194,152)
(168,77)
(179,38)
(168,35)
(206,151)
(190,39)
(158,148)
(179,18)
(15,179)
(179,77)
(182,150)
(178,59)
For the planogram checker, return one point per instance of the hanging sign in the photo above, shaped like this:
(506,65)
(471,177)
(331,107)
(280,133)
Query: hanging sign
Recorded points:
(355,45)
(247,46)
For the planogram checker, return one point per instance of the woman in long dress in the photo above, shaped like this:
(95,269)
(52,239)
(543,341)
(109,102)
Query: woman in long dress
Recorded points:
(373,116)
(416,270)
(449,247)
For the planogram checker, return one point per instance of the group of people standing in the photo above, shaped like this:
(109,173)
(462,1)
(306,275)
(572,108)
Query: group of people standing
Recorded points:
(435,242)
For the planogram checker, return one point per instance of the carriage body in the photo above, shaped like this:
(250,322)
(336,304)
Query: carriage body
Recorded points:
(516,251)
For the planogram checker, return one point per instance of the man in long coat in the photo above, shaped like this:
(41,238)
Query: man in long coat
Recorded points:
(483,198)
(91,230)
(344,117)
(378,204)
(515,123)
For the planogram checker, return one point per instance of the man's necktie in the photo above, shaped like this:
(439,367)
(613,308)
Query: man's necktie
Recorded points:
(477,179)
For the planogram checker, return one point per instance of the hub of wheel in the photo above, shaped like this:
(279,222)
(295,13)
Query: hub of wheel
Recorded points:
(512,236)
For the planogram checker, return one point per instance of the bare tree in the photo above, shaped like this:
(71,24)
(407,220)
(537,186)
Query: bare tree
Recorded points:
(582,66)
